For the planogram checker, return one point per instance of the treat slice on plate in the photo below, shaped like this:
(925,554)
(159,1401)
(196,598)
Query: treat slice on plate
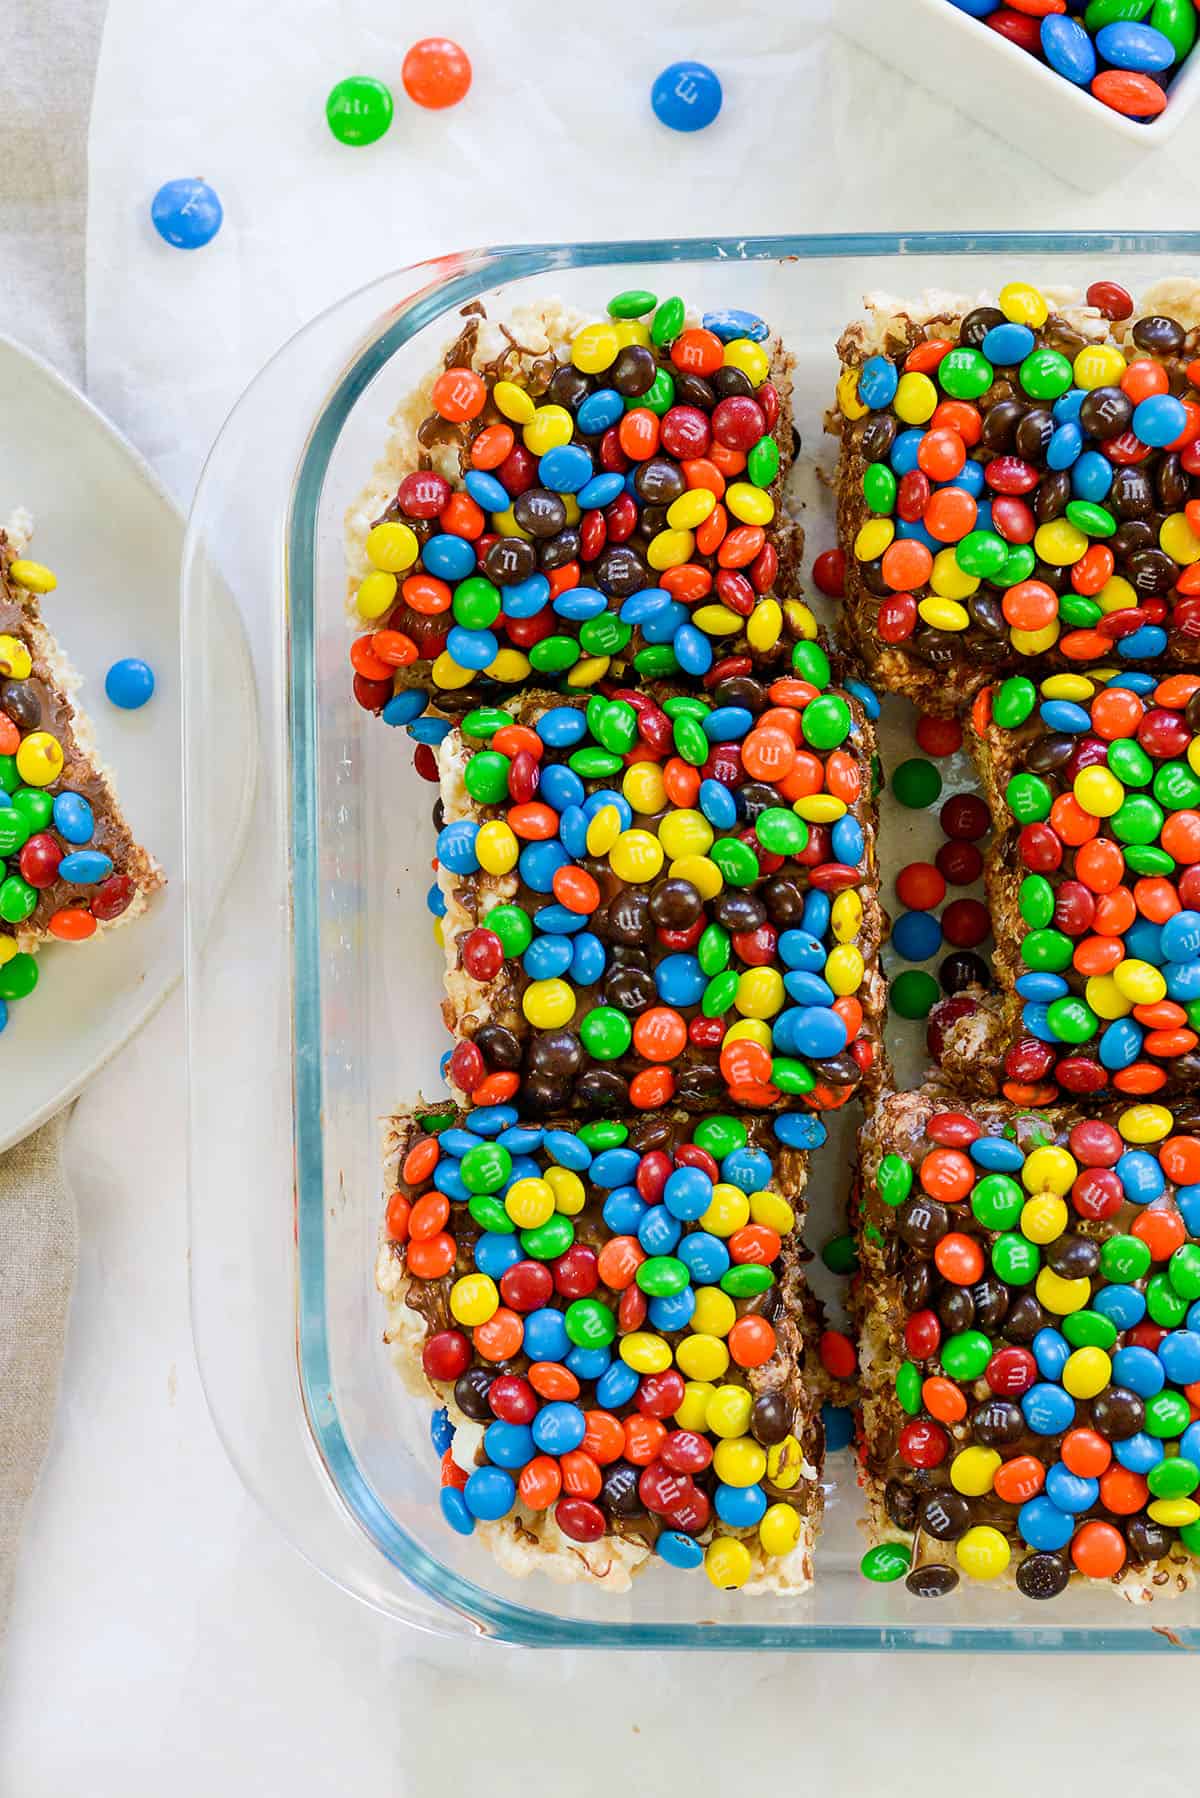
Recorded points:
(1029,1307)
(613,1316)
(1019,483)
(571,497)
(72,867)
(1094,887)
(654,897)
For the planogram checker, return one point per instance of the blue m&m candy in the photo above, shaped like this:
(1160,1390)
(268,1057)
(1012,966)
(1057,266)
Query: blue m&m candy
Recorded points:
(186,213)
(686,96)
(129,683)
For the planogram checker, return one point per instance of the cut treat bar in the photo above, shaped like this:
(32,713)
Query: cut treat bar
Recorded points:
(569,497)
(613,1315)
(1029,1306)
(71,865)
(1094,887)
(657,898)
(1019,481)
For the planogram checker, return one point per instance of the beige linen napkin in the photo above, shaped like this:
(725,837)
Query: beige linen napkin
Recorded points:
(50,51)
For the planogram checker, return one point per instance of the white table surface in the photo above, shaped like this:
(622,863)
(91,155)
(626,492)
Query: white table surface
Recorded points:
(164,1637)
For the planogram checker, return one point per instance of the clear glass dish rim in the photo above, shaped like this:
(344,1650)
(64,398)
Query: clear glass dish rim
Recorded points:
(454,280)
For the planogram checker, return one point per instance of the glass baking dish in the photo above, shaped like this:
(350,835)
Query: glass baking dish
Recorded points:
(313,984)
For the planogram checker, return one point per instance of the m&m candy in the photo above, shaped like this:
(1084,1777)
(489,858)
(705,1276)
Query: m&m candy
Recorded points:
(436,72)
(686,96)
(611,1314)
(186,213)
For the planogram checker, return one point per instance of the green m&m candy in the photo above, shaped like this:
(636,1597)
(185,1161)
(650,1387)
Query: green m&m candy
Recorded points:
(486,1167)
(916,783)
(997,1202)
(966,1354)
(1183,1270)
(879,488)
(668,321)
(606,635)
(1176,19)
(513,926)
(886,1562)
(1071,1021)
(1091,519)
(632,302)
(1035,901)
(1015,1259)
(913,994)
(780,831)
(659,396)
(1148,858)
(1124,1259)
(553,654)
(549,1240)
(1112,12)
(485,721)
(1138,819)
(713,950)
(486,777)
(1176,787)
(1164,1304)
(982,553)
(720,1136)
(18,976)
(908,1388)
(690,740)
(1078,612)
(1028,798)
(359,110)
(1176,1477)
(1167,1414)
(1046,374)
(490,1214)
(661,1276)
(656,661)
(14,830)
(604,1133)
(589,1323)
(1130,763)
(613,723)
(1014,701)
(1019,565)
(1089,1329)
(810,661)
(762,463)
(893,1179)
(606,1033)
(1047,951)
(476,603)
(965,373)
(18,900)
(720,993)
(792,1076)
(840,1255)
(593,762)
(825,722)
(747,1280)
(736,860)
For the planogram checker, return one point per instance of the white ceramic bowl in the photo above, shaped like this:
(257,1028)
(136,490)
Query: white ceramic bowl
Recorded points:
(1010,91)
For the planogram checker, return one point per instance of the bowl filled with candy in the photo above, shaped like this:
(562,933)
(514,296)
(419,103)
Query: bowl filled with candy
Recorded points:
(1082,85)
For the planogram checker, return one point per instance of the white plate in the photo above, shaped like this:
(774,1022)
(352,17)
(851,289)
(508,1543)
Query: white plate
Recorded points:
(113,538)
